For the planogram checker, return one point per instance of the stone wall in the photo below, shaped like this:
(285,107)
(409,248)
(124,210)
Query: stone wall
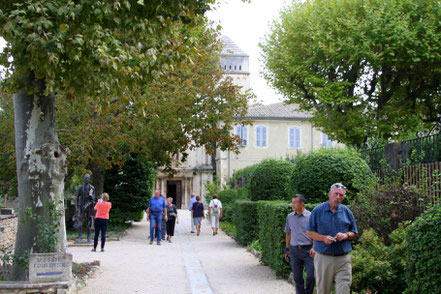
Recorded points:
(8,229)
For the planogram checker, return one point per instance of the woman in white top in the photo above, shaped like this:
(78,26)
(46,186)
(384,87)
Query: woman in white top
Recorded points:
(215,212)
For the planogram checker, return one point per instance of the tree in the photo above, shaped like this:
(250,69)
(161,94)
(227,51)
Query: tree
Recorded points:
(364,68)
(72,50)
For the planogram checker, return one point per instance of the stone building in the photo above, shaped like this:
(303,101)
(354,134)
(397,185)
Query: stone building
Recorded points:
(199,168)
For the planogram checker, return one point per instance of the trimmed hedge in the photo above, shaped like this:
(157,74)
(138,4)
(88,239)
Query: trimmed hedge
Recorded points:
(270,180)
(245,219)
(227,198)
(424,257)
(272,218)
(315,172)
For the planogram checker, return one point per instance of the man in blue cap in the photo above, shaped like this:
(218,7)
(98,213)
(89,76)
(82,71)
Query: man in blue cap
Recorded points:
(155,212)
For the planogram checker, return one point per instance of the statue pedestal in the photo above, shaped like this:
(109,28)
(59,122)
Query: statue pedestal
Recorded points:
(81,242)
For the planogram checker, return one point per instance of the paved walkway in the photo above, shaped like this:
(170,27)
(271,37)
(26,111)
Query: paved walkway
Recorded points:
(191,264)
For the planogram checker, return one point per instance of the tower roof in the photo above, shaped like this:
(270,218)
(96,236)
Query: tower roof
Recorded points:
(231,48)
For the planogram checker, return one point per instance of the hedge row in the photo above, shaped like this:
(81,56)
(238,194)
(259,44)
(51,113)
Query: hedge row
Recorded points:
(227,198)
(245,219)
(272,219)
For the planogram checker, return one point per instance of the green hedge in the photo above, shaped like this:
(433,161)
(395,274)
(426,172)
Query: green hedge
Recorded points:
(270,180)
(272,218)
(315,172)
(227,198)
(245,219)
(424,257)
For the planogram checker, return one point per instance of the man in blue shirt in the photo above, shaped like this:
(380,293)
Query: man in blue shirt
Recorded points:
(156,210)
(192,200)
(332,226)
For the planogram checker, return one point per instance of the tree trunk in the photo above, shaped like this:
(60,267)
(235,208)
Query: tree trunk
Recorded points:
(41,168)
(98,178)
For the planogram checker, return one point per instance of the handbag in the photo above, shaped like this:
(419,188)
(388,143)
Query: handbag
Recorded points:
(215,208)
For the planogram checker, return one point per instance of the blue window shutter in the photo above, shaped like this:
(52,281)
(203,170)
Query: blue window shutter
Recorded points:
(264,137)
(245,136)
(297,138)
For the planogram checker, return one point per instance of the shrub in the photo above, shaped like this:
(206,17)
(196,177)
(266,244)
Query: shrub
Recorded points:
(315,172)
(245,219)
(270,180)
(272,218)
(130,189)
(241,177)
(424,247)
(384,207)
(378,268)
(227,198)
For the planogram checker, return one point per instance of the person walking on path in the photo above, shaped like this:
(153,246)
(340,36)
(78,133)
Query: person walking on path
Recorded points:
(332,226)
(101,220)
(163,224)
(190,207)
(198,214)
(155,211)
(215,213)
(172,215)
(299,245)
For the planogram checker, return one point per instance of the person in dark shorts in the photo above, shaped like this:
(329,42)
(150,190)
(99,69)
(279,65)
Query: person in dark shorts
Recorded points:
(198,214)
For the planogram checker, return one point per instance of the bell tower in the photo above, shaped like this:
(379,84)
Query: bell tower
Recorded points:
(235,63)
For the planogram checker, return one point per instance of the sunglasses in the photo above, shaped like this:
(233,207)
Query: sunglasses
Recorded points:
(338,186)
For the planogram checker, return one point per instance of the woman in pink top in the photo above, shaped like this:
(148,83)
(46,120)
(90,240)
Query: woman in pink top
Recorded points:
(101,220)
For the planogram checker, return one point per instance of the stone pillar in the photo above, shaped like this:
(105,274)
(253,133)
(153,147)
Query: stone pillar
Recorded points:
(392,153)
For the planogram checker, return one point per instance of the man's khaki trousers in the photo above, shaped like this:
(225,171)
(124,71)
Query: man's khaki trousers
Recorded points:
(333,270)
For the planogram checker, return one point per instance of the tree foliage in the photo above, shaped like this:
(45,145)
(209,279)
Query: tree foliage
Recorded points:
(364,68)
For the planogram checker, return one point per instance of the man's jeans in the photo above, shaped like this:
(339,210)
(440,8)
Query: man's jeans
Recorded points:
(155,218)
(300,259)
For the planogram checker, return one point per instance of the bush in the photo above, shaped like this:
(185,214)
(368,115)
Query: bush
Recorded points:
(245,219)
(379,268)
(227,198)
(272,218)
(384,207)
(315,172)
(241,177)
(130,189)
(424,247)
(270,180)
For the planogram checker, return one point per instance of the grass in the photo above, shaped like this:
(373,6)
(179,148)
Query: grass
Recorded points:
(228,228)
(114,231)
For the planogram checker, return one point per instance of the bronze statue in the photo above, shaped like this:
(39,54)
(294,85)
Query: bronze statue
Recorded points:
(84,204)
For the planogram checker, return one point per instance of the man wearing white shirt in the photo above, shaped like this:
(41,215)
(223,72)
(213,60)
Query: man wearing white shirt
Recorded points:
(215,213)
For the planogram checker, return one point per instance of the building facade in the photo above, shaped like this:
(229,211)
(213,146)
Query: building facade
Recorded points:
(278,131)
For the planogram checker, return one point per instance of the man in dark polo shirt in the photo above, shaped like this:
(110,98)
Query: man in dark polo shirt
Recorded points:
(299,245)
(332,226)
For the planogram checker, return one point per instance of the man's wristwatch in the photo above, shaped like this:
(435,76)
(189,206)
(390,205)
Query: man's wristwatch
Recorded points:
(347,234)
(286,249)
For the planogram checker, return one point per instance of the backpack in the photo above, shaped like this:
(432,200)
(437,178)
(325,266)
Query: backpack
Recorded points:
(215,208)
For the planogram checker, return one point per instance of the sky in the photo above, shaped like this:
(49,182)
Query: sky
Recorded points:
(247,24)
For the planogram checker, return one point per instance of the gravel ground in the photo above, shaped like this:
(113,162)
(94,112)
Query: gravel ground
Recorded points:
(191,264)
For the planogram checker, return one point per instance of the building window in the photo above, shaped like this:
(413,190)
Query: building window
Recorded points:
(242,133)
(240,67)
(326,143)
(294,137)
(235,67)
(261,136)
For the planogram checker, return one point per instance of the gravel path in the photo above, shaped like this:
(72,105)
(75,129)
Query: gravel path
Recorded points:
(191,264)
